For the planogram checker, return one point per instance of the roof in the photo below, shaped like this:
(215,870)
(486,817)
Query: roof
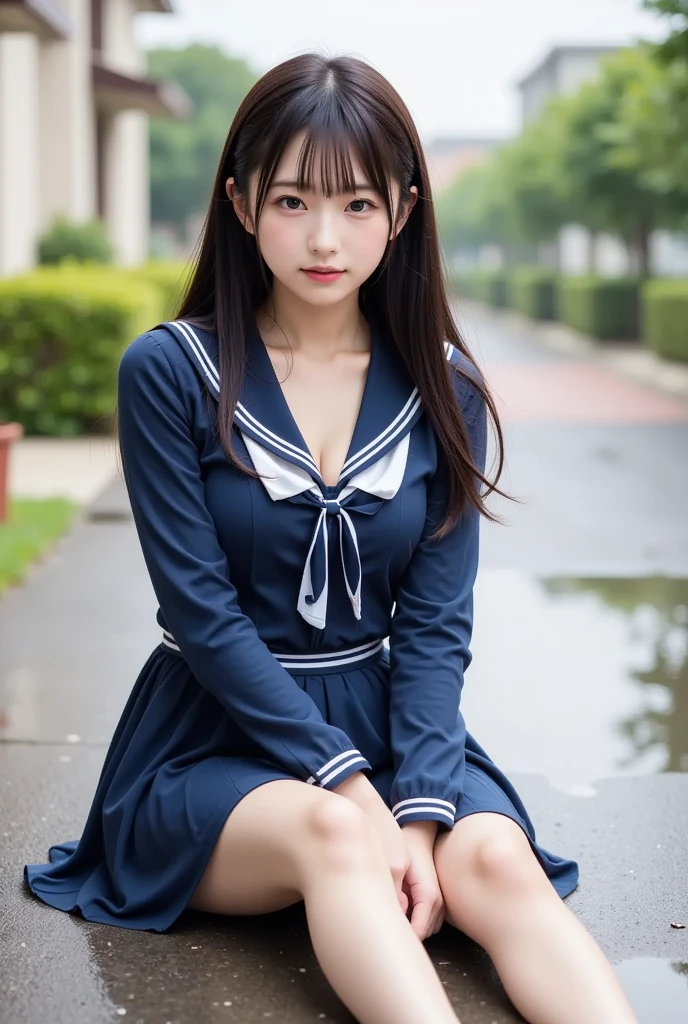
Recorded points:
(557,52)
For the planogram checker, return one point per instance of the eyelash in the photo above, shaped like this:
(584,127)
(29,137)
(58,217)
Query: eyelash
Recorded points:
(370,204)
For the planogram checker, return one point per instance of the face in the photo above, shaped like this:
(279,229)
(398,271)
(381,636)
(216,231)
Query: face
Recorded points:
(320,249)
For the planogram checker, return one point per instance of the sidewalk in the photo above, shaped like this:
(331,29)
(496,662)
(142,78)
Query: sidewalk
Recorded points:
(77,468)
(575,695)
(631,359)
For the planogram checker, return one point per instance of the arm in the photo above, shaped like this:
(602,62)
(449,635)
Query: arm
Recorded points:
(429,653)
(191,579)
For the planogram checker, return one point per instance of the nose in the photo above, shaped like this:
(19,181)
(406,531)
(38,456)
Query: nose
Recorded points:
(324,235)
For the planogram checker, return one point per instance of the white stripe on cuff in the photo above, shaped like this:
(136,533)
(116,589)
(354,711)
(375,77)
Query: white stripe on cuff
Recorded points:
(425,809)
(424,804)
(355,759)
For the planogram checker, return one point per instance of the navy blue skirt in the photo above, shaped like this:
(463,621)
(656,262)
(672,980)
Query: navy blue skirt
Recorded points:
(178,766)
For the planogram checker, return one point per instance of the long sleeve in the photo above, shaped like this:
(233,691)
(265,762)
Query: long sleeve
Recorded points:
(191,577)
(429,653)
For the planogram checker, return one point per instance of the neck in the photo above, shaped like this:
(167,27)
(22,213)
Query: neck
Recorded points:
(286,321)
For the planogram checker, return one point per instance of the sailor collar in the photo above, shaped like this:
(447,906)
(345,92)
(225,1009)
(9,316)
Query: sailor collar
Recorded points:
(390,406)
(374,466)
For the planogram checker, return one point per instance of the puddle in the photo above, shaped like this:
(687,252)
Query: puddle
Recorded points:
(590,676)
(657,989)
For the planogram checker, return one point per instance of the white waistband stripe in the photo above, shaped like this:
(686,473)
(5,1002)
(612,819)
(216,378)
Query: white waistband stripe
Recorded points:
(348,656)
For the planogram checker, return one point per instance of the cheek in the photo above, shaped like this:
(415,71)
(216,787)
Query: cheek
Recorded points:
(278,238)
(368,241)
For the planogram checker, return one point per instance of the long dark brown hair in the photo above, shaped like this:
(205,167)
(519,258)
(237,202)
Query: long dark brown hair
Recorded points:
(340,104)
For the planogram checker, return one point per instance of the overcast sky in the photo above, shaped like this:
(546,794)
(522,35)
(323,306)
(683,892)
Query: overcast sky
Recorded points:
(455,62)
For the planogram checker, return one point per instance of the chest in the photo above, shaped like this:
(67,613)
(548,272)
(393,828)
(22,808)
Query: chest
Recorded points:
(324,398)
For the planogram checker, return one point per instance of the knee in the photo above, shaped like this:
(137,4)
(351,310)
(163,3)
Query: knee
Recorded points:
(505,860)
(341,834)
(500,863)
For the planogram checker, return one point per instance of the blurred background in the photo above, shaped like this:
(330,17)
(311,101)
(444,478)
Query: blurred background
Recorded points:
(557,140)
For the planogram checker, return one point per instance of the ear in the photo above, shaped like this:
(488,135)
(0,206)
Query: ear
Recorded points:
(239,202)
(404,213)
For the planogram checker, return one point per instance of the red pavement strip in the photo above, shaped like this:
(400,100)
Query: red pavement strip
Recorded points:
(581,392)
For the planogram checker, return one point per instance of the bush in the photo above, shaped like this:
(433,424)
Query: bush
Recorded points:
(80,242)
(665,318)
(606,308)
(62,333)
(169,278)
(488,286)
(532,292)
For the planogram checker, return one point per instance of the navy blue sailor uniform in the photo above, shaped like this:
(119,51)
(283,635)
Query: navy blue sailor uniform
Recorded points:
(276,596)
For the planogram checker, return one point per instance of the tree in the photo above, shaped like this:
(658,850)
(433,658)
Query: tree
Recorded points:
(675,47)
(603,175)
(471,211)
(185,153)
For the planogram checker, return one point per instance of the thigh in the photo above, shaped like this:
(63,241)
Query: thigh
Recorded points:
(254,868)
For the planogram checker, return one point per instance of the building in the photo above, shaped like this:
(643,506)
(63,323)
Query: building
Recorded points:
(74,108)
(448,156)
(560,73)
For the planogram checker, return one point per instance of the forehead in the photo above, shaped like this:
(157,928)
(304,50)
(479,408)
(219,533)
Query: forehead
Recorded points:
(325,165)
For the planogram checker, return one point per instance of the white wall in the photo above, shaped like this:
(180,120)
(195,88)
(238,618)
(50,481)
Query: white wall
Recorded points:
(19,151)
(127,209)
(67,122)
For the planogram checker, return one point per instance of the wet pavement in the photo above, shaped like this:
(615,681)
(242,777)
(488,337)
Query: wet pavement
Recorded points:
(581,643)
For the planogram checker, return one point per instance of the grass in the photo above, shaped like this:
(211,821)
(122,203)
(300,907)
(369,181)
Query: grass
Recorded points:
(30,528)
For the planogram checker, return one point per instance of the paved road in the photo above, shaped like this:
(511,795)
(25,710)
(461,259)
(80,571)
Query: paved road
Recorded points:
(580,645)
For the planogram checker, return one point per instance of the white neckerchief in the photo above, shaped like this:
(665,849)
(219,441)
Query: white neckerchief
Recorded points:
(282,479)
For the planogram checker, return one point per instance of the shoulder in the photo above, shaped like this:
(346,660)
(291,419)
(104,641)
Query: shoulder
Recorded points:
(465,375)
(152,360)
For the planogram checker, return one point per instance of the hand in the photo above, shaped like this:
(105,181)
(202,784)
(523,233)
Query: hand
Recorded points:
(421,882)
(362,792)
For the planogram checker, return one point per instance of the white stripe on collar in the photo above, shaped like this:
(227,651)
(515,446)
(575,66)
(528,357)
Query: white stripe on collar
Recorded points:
(353,463)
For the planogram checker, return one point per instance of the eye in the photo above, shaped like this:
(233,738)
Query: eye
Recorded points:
(290,200)
(362,205)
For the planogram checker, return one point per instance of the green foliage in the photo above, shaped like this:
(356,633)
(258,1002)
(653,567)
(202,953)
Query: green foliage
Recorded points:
(62,333)
(488,286)
(185,153)
(664,306)
(81,242)
(532,291)
(605,185)
(472,210)
(169,278)
(675,47)
(29,530)
(605,308)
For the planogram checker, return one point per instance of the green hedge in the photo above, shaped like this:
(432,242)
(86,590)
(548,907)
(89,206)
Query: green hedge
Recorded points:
(169,278)
(664,306)
(62,332)
(606,308)
(532,291)
(488,286)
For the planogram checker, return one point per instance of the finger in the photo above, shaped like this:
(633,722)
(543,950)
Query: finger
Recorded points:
(439,921)
(420,919)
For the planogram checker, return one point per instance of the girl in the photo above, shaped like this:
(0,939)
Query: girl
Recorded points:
(303,449)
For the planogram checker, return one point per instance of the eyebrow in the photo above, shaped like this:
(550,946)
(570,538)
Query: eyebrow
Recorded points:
(359,186)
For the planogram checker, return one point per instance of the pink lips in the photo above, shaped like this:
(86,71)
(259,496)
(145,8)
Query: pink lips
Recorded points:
(323,274)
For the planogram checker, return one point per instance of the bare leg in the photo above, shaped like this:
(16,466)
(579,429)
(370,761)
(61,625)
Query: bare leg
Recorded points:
(497,893)
(286,841)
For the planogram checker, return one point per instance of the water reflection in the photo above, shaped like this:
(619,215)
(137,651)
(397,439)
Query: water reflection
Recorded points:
(657,989)
(656,610)
(580,679)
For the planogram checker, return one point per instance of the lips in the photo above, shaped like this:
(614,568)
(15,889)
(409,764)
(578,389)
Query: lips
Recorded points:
(323,273)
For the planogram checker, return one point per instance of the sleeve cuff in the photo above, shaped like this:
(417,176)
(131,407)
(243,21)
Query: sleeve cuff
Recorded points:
(339,768)
(423,808)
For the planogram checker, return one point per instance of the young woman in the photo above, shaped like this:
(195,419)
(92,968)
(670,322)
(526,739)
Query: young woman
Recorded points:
(304,448)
